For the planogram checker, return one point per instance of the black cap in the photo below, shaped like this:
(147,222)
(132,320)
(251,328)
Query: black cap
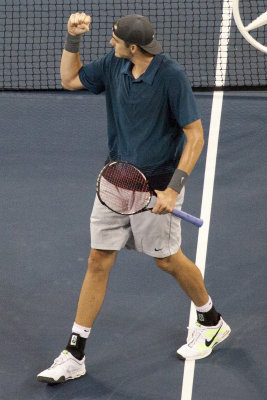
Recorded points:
(136,29)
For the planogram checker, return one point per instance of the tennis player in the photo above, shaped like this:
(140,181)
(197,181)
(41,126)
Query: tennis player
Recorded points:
(154,123)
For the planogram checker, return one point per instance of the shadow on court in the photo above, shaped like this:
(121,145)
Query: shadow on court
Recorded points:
(52,148)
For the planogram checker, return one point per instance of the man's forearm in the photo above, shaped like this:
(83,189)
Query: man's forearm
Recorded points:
(193,147)
(190,155)
(78,24)
(69,67)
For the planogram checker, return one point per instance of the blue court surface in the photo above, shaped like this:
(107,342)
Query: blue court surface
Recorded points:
(52,146)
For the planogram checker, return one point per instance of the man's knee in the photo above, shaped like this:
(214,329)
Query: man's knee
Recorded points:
(101,261)
(171,263)
(165,264)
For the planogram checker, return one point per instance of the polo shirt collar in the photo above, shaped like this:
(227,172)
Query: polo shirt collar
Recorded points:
(149,74)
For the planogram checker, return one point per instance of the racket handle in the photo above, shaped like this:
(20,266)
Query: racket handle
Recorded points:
(187,217)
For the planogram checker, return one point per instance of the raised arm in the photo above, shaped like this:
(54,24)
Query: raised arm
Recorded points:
(78,24)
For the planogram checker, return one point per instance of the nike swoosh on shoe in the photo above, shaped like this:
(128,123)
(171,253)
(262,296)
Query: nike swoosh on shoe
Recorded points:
(209,342)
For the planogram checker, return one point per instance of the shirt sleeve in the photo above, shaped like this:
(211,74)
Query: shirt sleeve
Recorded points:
(181,99)
(94,75)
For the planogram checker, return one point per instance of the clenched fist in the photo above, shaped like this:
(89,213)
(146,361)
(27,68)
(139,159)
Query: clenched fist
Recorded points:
(78,23)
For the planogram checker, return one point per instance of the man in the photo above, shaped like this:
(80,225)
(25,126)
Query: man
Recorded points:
(153,122)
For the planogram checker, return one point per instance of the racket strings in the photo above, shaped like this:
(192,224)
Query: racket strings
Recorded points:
(123,188)
(125,176)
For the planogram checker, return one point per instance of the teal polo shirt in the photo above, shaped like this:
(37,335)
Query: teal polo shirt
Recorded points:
(145,116)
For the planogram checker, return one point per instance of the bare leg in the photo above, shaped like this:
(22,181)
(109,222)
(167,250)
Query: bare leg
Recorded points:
(187,275)
(94,286)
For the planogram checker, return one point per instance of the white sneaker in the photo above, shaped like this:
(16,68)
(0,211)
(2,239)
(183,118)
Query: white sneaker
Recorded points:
(202,339)
(65,367)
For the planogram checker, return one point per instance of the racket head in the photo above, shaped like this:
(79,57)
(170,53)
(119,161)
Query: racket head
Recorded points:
(123,188)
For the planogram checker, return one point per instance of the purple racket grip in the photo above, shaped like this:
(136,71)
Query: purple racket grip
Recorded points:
(187,217)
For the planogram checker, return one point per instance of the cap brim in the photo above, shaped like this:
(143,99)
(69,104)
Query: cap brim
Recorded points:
(153,48)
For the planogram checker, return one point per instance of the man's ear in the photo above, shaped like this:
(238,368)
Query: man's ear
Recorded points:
(134,48)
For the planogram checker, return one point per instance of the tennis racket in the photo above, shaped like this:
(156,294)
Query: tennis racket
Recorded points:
(124,189)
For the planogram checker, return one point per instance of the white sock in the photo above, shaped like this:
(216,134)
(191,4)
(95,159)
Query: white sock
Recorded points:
(81,330)
(207,307)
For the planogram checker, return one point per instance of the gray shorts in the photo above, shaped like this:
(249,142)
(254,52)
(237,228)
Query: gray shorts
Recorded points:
(152,234)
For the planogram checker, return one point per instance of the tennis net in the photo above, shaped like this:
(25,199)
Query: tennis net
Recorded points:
(32,33)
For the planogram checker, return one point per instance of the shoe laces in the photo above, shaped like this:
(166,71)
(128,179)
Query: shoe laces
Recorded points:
(194,334)
(59,359)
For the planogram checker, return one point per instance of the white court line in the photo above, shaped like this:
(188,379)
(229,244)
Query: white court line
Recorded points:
(209,176)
